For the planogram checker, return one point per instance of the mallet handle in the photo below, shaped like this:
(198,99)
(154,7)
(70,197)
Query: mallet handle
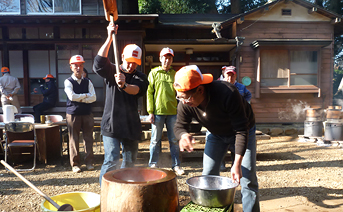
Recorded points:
(115,46)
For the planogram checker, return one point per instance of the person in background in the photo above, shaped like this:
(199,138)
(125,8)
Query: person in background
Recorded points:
(85,73)
(161,106)
(219,107)
(9,87)
(120,123)
(50,95)
(80,93)
(229,74)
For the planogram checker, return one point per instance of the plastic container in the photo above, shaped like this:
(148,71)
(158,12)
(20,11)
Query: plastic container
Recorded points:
(81,201)
(9,111)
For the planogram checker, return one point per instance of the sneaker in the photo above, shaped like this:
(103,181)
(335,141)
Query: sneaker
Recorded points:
(153,165)
(76,169)
(90,167)
(178,170)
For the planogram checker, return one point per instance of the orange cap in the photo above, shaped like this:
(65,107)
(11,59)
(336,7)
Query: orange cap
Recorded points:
(50,76)
(165,51)
(132,53)
(189,77)
(76,59)
(5,70)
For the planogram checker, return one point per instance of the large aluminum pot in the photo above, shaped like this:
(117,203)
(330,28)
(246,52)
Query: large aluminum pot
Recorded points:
(211,191)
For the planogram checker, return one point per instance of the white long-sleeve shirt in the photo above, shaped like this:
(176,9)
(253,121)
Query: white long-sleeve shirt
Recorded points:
(83,97)
(9,84)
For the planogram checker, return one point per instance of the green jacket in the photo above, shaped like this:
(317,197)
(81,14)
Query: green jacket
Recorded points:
(161,95)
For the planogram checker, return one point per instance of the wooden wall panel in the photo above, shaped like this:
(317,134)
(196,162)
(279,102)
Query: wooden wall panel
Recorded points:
(278,108)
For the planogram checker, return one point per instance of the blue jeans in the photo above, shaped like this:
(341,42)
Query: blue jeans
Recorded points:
(215,150)
(112,154)
(156,137)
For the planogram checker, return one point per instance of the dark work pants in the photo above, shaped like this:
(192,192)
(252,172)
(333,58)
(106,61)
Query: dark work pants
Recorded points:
(75,124)
(39,109)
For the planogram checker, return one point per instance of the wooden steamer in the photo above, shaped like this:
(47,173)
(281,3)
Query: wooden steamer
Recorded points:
(139,189)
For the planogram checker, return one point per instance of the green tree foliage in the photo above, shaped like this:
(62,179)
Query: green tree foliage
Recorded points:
(150,7)
(177,6)
(194,6)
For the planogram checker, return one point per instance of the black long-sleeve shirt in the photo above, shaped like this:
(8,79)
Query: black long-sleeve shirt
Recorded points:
(227,114)
(50,92)
(120,118)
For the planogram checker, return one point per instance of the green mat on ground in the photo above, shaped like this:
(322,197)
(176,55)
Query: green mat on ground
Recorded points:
(192,207)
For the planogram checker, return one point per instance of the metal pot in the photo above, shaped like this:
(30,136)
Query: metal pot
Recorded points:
(211,191)
(333,131)
(313,128)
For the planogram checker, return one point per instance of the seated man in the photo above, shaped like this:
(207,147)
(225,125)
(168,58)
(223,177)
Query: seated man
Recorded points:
(49,92)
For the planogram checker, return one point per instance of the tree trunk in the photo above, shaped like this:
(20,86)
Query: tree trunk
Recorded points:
(235,6)
(319,2)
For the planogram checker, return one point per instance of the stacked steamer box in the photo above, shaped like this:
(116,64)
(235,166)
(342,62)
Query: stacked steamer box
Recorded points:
(334,125)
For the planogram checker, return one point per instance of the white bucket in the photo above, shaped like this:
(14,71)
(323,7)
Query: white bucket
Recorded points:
(9,111)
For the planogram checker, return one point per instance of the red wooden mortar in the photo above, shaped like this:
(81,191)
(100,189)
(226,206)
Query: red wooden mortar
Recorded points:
(139,189)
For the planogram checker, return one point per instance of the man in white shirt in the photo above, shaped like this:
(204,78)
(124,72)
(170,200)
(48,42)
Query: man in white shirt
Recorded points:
(9,87)
(80,93)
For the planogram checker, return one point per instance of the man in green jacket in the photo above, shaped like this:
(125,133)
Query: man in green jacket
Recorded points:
(161,106)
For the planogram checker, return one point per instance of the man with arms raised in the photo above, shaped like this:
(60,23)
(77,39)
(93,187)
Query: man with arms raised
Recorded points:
(120,123)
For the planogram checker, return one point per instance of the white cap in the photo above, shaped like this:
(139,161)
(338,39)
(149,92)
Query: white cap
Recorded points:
(132,53)
(165,51)
(76,59)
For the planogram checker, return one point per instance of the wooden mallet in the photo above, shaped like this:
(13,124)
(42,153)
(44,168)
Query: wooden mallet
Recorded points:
(111,14)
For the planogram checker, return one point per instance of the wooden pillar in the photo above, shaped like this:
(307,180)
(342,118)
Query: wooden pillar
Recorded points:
(5,53)
(26,81)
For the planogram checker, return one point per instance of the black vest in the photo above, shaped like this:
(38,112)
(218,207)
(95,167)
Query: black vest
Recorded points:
(79,108)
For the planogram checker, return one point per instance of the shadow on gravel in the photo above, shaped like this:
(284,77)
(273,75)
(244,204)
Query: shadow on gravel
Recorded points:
(277,156)
(323,196)
(297,166)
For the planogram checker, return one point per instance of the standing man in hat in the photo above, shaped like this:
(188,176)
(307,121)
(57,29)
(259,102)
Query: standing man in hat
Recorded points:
(218,106)
(9,87)
(229,74)
(80,93)
(49,92)
(161,106)
(120,123)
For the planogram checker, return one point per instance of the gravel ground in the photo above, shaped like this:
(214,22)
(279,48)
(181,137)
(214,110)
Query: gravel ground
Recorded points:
(286,167)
